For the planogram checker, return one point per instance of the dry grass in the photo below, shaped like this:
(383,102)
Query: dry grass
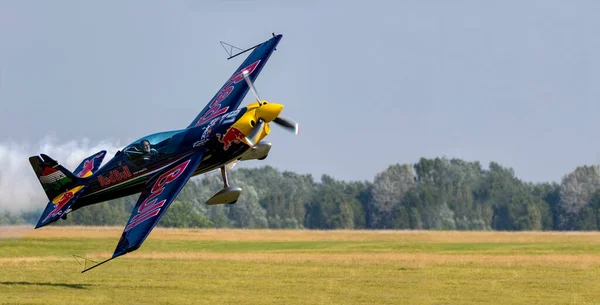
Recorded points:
(412,259)
(31,259)
(226,266)
(307,235)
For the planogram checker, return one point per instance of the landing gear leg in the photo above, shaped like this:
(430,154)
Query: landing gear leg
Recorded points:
(224,175)
(228,195)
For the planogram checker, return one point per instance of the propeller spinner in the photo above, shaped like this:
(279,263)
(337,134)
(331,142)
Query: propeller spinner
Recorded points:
(267,113)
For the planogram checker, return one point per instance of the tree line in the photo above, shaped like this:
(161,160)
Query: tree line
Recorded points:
(433,194)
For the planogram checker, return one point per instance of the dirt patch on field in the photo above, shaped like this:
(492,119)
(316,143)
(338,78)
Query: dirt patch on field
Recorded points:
(32,259)
(15,231)
(308,235)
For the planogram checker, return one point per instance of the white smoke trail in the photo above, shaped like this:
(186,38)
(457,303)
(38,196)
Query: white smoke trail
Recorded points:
(20,190)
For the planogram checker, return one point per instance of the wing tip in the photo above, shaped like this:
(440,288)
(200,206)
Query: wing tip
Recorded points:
(96,265)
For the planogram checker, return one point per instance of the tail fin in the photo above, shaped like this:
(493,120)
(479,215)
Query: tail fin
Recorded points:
(55,179)
(90,165)
(61,186)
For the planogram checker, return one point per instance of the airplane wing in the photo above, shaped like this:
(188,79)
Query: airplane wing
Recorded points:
(232,93)
(153,202)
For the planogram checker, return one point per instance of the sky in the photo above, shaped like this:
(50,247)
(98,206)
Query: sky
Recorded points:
(372,83)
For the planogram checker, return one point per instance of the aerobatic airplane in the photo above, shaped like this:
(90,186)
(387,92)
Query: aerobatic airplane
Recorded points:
(159,165)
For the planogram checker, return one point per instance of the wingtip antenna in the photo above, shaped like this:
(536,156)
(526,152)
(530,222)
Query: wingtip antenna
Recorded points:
(231,47)
(84,261)
(98,264)
(243,51)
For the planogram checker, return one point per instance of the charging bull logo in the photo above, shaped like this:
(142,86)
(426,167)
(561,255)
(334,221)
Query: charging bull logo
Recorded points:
(88,165)
(61,200)
(233,135)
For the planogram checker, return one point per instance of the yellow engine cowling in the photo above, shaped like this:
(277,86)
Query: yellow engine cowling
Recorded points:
(266,111)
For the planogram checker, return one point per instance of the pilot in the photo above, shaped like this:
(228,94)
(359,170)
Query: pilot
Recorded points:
(150,153)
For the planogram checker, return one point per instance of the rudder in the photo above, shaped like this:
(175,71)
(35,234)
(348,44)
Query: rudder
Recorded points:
(55,179)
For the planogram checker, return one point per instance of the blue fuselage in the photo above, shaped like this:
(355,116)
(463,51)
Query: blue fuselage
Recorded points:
(129,170)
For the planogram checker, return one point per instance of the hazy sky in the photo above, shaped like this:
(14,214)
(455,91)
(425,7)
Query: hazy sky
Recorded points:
(372,83)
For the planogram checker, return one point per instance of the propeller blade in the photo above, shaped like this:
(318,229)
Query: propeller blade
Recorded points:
(287,124)
(251,85)
(252,138)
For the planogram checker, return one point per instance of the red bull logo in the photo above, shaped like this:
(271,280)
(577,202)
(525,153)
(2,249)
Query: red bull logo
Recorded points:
(233,135)
(151,207)
(61,200)
(115,176)
(214,108)
(59,205)
(88,165)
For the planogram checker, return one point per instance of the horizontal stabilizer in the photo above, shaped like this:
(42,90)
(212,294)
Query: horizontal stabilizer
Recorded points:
(90,165)
(59,206)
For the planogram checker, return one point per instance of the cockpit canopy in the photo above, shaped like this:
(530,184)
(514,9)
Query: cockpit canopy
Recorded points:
(162,144)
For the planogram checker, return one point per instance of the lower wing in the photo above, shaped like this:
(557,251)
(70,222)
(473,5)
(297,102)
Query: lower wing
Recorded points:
(158,194)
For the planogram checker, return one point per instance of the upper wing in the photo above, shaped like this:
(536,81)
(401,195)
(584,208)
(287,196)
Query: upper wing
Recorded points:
(232,93)
(154,200)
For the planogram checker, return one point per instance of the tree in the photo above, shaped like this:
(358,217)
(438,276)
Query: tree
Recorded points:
(577,189)
(549,194)
(182,215)
(331,208)
(389,188)
(440,194)
(283,196)
(247,212)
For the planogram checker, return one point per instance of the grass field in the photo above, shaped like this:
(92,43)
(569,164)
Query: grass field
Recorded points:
(223,266)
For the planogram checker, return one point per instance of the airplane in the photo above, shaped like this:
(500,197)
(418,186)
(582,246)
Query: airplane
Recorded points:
(160,164)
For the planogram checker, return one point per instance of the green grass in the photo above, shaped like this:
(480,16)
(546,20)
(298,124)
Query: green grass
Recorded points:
(313,270)
(79,246)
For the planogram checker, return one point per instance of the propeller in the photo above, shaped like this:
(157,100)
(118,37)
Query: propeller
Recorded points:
(253,136)
(251,85)
(287,124)
(265,112)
